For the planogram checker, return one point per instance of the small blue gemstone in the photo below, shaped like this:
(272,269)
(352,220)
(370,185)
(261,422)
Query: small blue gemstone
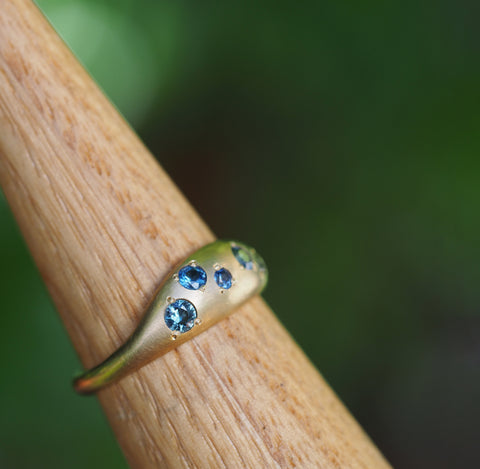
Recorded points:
(243,256)
(262,267)
(223,277)
(180,315)
(192,277)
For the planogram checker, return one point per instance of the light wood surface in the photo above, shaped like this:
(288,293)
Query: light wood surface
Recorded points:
(104,224)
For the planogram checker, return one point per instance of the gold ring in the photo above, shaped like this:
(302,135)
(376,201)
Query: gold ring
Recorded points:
(203,289)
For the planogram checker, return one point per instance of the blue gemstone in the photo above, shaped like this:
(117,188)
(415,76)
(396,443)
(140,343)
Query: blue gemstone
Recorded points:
(192,277)
(180,315)
(262,267)
(223,277)
(243,256)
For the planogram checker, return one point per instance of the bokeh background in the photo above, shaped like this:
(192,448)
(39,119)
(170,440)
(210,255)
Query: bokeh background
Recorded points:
(342,140)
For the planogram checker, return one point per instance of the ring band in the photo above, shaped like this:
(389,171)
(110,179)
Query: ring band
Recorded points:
(200,291)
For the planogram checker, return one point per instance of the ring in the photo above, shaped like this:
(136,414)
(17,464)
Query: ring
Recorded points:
(198,293)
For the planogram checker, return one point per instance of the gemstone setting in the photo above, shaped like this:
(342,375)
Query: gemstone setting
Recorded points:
(243,257)
(223,278)
(180,315)
(192,277)
(262,267)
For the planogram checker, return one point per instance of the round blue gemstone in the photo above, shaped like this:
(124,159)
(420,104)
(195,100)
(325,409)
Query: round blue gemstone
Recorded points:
(192,277)
(243,256)
(180,315)
(223,277)
(262,267)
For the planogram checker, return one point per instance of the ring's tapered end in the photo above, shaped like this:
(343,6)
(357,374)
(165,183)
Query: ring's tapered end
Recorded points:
(114,367)
(84,386)
(93,380)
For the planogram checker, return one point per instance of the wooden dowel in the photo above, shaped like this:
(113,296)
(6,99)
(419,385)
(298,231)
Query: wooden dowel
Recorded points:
(104,224)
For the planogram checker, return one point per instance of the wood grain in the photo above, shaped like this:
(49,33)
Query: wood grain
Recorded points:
(104,224)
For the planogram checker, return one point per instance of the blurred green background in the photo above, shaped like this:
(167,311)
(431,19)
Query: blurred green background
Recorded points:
(339,138)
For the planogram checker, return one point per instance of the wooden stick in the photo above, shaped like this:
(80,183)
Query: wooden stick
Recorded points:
(105,224)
